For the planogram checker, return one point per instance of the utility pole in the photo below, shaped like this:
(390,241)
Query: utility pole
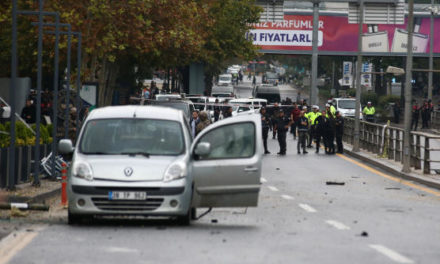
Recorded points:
(431,50)
(314,77)
(358,79)
(408,90)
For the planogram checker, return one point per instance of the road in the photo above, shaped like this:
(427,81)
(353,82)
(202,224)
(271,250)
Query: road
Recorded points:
(244,89)
(372,218)
(300,219)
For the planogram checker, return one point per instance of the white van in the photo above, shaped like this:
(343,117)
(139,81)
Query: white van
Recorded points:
(346,106)
(254,103)
(225,79)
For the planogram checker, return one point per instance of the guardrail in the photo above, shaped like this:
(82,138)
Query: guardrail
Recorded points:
(435,119)
(387,142)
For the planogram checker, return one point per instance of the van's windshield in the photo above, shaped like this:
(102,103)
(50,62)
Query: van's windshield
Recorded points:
(347,104)
(132,136)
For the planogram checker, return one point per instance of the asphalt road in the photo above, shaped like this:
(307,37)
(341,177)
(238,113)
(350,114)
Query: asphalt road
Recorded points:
(300,219)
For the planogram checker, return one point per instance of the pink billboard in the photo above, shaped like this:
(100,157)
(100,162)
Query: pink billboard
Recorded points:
(337,35)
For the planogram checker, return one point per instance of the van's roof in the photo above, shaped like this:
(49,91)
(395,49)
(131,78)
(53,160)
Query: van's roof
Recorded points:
(244,100)
(138,111)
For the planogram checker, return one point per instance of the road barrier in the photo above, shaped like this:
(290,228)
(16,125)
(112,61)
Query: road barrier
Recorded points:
(64,184)
(381,139)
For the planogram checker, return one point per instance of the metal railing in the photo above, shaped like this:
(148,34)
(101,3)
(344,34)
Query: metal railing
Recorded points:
(435,119)
(387,142)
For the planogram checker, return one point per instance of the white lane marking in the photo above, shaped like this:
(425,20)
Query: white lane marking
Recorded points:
(273,188)
(121,250)
(263,180)
(391,254)
(308,208)
(337,225)
(287,197)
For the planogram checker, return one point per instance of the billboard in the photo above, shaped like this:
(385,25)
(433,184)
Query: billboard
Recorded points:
(336,35)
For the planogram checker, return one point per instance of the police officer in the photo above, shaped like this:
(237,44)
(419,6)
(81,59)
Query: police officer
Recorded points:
(369,112)
(275,115)
(312,117)
(265,124)
(339,131)
(302,125)
(332,107)
(282,125)
(321,123)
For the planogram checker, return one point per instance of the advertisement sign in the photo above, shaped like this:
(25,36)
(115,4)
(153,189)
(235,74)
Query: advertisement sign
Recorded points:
(335,34)
(89,93)
(347,74)
(366,78)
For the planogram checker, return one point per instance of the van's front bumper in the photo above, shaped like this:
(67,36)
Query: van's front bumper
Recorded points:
(160,201)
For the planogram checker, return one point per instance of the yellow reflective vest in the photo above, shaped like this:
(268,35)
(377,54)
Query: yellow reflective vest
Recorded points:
(369,110)
(333,110)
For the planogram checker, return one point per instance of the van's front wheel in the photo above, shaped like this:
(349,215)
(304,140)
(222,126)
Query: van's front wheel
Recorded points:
(185,220)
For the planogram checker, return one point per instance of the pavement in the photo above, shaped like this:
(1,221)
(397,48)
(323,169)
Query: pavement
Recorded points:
(300,219)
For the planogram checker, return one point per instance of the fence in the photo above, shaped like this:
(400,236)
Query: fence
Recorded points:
(24,157)
(387,142)
(435,119)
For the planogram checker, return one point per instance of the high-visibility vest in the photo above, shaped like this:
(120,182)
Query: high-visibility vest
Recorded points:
(369,110)
(332,110)
(314,116)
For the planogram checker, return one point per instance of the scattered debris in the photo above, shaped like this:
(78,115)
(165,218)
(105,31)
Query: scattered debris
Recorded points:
(214,221)
(325,193)
(355,177)
(224,240)
(15,212)
(395,211)
(330,201)
(355,222)
(278,168)
(334,183)
(364,234)
(364,183)
(392,188)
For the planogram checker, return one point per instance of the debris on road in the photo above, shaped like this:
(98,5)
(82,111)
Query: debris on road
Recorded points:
(15,212)
(392,188)
(334,183)
(364,234)
(214,221)
(277,168)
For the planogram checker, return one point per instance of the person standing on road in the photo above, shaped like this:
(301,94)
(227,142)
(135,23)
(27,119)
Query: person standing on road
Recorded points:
(228,112)
(204,122)
(369,112)
(216,111)
(425,114)
(294,116)
(415,116)
(312,118)
(396,110)
(194,122)
(332,108)
(29,112)
(339,131)
(321,124)
(274,117)
(265,124)
(330,133)
(303,127)
(282,126)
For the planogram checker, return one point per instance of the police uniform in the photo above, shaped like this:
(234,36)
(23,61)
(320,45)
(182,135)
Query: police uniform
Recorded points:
(369,113)
(265,124)
(339,129)
(282,126)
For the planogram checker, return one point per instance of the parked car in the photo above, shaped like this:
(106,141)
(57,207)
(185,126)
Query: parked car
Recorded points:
(141,160)
(269,92)
(225,79)
(185,105)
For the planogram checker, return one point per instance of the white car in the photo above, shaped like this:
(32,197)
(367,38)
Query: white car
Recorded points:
(346,106)
(141,160)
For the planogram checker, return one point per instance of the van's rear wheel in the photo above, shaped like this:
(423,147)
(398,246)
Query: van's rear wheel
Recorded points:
(77,219)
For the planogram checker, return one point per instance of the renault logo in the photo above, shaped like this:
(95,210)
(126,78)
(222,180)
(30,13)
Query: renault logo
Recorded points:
(128,171)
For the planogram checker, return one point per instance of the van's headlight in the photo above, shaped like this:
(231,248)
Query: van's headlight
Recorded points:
(175,171)
(83,170)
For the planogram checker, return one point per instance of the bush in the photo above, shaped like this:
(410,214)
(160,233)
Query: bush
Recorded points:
(23,135)
(4,138)
(351,92)
(386,99)
(369,97)
(326,94)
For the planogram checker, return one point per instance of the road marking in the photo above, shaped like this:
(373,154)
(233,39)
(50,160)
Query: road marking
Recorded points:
(391,254)
(14,242)
(263,180)
(389,177)
(308,208)
(287,197)
(337,225)
(273,188)
(121,250)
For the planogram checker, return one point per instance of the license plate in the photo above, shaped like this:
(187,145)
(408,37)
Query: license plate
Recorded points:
(127,195)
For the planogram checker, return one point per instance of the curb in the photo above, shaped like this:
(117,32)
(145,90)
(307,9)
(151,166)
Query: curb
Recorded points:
(41,198)
(393,171)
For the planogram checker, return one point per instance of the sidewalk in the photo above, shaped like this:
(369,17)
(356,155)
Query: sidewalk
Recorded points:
(26,193)
(394,167)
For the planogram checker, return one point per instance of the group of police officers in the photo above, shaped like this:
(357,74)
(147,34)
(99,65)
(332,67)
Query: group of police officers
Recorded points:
(306,123)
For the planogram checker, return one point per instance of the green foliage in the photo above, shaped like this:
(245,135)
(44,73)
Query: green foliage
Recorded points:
(386,99)
(351,92)
(324,93)
(369,97)
(4,138)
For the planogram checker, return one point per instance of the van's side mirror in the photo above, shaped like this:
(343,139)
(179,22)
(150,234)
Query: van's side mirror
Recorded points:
(202,149)
(65,146)
(5,112)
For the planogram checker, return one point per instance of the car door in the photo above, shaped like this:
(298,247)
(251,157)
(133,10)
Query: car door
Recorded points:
(228,174)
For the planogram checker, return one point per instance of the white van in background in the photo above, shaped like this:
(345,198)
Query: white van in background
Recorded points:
(225,80)
(346,106)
